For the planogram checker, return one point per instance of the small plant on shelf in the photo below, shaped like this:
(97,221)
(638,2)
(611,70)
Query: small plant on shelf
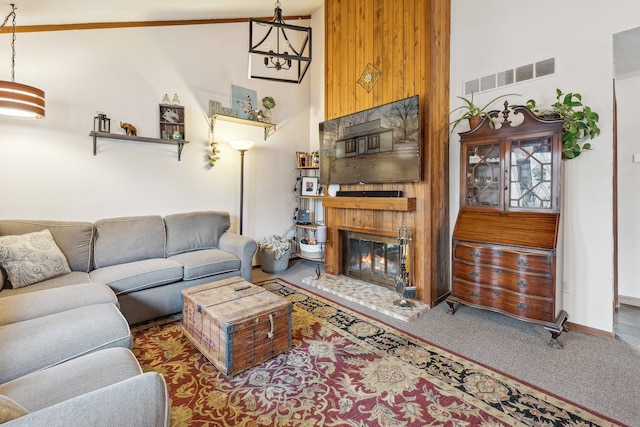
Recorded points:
(580,122)
(473,113)
(263,115)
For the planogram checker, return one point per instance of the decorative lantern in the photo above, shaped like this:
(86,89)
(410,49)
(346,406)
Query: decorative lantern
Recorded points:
(101,123)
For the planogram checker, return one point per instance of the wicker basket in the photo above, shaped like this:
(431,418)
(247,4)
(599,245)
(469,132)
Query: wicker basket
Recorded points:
(270,264)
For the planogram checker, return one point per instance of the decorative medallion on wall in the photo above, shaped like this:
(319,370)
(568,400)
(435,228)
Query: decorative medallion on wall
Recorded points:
(369,77)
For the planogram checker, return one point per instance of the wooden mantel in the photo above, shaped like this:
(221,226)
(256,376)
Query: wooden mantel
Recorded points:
(403,204)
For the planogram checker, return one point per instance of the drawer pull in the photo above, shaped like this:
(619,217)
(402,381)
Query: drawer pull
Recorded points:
(497,271)
(497,292)
(474,253)
(474,294)
(522,283)
(523,261)
(474,274)
(521,306)
(497,252)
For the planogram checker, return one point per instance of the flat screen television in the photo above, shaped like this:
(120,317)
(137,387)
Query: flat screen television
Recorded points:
(378,145)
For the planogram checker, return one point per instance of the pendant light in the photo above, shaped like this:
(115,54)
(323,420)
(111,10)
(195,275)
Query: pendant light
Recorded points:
(19,100)
(278,51)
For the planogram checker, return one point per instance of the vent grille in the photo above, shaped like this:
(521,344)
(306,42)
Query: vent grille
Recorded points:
(522,73)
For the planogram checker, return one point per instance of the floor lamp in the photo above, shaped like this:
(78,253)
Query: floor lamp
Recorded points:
(242,146)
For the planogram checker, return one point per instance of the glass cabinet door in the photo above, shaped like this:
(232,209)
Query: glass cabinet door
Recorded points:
(531,174)
(483,176)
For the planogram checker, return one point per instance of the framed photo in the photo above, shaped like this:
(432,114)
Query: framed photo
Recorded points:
(309,186)
(243,101)
(302,159)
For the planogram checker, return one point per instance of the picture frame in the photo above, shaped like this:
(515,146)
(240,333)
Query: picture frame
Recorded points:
(243,101)
(309,186)
(302,159)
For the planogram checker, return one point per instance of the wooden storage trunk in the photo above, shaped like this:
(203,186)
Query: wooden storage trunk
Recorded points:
(236,325)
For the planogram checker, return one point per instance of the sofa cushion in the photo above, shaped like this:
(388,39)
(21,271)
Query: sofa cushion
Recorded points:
(20,307)
(128,239)
(75,239)
(10,410)
(195,230)
(31,258)
(207,262)
(49,340)
(134,276)
(72,378)
(73,278)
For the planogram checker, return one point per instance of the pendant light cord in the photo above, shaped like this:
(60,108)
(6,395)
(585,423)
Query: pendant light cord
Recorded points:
(13,39)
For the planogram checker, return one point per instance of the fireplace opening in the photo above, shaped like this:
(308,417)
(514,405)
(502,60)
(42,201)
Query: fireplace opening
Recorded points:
(371,258)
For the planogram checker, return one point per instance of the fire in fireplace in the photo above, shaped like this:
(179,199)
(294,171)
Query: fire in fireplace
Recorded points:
(371,258)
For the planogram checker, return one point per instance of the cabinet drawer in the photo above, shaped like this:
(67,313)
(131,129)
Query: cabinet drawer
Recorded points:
(517,281)
(519,305)
(532,261)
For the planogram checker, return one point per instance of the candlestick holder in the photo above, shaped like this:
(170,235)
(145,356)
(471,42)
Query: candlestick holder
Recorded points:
(402,278)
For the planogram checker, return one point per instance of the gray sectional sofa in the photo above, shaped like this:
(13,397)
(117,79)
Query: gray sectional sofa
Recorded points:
(64,330)
(146,260)
(66,362)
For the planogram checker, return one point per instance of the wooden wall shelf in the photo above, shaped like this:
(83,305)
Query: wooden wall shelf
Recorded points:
(402,204)
(95,134)
(268,127)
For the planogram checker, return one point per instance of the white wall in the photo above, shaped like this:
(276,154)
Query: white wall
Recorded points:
(490,36)
(48,171)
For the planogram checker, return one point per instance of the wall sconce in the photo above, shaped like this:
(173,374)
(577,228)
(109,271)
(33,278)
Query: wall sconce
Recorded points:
(101,123)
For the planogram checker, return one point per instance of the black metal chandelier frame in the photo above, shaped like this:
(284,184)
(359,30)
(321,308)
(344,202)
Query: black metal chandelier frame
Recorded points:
(285,56)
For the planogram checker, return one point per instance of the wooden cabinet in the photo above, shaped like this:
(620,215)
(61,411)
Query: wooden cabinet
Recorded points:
(506,248)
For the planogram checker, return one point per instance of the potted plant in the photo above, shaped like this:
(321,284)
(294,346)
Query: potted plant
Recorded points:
(580,122)
(473,113)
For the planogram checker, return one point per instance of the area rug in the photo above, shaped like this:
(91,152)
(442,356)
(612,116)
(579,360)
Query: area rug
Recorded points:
(345,369)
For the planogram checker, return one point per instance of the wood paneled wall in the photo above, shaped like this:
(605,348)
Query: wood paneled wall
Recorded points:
(408,42)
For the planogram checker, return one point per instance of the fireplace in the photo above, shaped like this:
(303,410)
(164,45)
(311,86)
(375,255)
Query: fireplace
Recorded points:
(371,258)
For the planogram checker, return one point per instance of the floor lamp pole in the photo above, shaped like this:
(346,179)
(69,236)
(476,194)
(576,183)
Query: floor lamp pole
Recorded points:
(242,146)
(241,186)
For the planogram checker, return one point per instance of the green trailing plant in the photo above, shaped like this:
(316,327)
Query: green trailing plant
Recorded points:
(472,110)
(580,122)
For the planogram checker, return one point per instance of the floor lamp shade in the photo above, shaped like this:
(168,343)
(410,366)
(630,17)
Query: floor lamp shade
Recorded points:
(241,144)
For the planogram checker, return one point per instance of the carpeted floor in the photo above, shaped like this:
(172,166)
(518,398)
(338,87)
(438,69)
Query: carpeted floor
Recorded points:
(598,373)
(345,369)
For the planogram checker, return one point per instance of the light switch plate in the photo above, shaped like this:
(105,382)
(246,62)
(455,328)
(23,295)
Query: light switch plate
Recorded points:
(636,158)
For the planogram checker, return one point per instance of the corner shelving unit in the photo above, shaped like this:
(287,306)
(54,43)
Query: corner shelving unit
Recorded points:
(269,128)
(95,134)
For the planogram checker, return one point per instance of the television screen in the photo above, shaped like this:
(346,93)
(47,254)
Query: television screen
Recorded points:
(378,145)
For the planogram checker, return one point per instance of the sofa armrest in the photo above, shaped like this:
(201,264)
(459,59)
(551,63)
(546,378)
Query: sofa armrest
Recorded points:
(241,246)
(140,401)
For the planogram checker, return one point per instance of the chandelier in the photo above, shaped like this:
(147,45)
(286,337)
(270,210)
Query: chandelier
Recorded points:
(278,51)
(18,100)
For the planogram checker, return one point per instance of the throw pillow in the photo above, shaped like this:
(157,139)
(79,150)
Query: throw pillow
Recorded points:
(3,278)
(31,258)
(10,410)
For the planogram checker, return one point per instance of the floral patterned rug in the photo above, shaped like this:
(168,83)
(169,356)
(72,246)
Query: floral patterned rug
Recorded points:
(344,369)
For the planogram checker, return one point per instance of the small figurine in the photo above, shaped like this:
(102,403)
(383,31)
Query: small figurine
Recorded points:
(129,128)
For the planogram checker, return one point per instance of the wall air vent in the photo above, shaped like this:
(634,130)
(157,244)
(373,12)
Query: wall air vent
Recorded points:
(522,73)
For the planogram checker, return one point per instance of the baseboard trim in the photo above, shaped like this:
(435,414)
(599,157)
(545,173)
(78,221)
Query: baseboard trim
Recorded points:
(591,331)
(629,300)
